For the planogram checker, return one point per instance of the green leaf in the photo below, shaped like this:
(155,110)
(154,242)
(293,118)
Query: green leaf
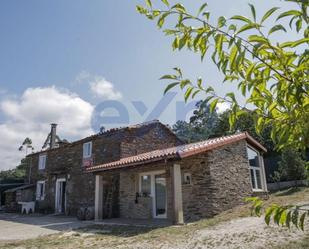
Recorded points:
(166,2)
(233,55)
(170,86)
(206,15)
(253,11)
(209,90)
(288,219)
(178,70)
(179,7)
(299,24)
(302,220)
(168,77)
(202,8)
(269,13)
(241,18)
(161,20)
(213,105)
(141,9)
(231,96)
(299,42)
(295,214)
(232,27)
(148,3)
(188,93)
(246,27)
(199,83)
(276,28)
(185,82)
(289,13)
(195,92)
(175,43)
(268,214)
(221,21)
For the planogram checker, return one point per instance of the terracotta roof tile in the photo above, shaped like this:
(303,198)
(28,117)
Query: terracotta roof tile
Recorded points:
(179,152)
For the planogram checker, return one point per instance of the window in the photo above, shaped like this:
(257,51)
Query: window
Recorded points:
(42,161)
(145,185)
(40,190)
(255,169)
(187,179)
(87,150)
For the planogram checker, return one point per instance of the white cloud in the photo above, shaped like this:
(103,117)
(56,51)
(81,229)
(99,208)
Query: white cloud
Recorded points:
(105,89)
(99,86)
(31,114)
(221,107)
(83,76)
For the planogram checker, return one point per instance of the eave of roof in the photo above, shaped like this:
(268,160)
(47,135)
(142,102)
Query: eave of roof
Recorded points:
(177,152)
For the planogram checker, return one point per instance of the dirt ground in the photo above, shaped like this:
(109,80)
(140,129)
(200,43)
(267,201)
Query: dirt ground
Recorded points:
(233,229)
(18,227)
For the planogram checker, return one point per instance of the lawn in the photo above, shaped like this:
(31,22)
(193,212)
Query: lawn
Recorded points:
(231,229)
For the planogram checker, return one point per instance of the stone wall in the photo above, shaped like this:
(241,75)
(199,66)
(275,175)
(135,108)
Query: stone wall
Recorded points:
(66,162)
(143,140)
(220,181)
(129,186)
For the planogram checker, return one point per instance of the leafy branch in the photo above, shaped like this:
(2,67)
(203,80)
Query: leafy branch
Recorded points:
(286,215)
(272,76)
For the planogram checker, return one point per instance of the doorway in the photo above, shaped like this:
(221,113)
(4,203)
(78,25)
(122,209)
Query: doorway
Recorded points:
(154,185)
(60,198)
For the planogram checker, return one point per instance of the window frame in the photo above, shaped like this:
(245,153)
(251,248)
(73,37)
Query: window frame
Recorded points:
(89,155)
(42,165)
(40,191)
(255,187)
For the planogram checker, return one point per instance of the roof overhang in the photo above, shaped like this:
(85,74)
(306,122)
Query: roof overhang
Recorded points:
(177,152)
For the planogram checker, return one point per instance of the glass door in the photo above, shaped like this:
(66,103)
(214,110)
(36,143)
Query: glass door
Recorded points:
(153,184)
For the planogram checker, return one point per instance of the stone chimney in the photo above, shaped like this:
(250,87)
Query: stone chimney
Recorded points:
(53,134)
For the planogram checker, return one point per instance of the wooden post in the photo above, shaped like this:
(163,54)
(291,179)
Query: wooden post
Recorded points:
(98,197)
(178,209)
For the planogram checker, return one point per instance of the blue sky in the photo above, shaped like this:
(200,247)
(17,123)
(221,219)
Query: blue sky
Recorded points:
(59,59)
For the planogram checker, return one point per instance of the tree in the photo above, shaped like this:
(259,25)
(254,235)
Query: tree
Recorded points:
(27,144)
(292,166)
(14,175)
(201,125)
(246,123)
(271,75)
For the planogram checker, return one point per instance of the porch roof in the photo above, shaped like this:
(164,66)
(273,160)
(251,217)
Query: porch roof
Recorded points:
(178,152)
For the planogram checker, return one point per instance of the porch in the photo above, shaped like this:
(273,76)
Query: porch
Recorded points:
(148,195)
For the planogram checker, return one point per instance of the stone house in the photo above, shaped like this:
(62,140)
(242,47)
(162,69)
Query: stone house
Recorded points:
(144,171)
(63,186)
(181,183)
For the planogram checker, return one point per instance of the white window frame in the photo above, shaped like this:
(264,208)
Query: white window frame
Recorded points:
(40,196)
(260,169)
(42,161)
(87,153)
(152,175)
